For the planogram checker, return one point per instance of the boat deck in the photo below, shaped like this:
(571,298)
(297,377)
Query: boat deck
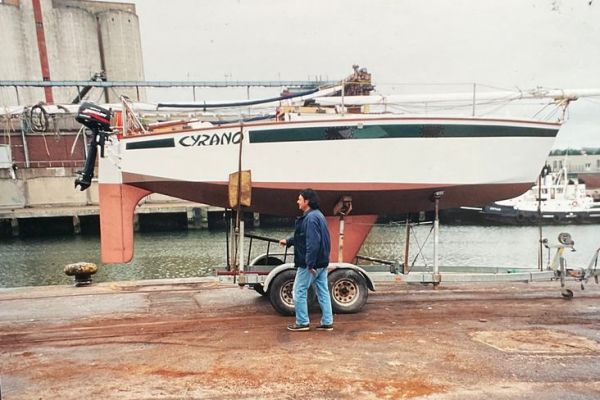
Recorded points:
(198,339)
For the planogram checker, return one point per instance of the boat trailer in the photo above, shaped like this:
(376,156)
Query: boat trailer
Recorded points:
(272,273)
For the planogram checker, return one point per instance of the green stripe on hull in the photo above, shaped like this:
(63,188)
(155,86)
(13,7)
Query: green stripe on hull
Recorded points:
(151,144)
(395,131)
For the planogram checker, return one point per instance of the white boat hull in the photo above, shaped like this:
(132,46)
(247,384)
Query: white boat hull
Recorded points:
(382,174)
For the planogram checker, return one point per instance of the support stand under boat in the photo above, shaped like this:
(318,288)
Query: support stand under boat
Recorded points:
(235,243)
(464,274)
(436,237)
(342,208)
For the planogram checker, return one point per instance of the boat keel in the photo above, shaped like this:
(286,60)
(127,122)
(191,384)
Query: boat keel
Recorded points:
(357,228)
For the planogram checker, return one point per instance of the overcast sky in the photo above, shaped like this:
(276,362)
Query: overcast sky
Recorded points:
(502,43)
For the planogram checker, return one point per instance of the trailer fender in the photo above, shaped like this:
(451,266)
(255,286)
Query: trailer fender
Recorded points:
(336,266)
(274,272)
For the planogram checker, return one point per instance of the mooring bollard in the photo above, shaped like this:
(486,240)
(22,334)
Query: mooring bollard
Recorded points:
(82,271)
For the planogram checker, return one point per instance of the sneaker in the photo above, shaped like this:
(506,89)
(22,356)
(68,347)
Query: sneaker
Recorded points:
(298,328)
(322,327)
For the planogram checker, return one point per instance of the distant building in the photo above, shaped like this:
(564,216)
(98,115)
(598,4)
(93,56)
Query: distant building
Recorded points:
(576,160)
(61,40)
(584,164)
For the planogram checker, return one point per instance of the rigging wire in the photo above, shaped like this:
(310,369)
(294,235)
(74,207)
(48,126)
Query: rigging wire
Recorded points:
(237,103)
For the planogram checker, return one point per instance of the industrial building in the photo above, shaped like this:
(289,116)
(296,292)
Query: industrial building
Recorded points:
(54,40)
(57,40)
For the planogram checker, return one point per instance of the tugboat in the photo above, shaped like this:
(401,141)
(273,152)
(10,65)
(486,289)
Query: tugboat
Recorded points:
(558,200)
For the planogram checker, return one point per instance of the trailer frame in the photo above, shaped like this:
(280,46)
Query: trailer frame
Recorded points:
(349,283)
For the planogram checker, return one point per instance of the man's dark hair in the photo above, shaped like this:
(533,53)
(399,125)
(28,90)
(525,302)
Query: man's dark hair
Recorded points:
(312,197)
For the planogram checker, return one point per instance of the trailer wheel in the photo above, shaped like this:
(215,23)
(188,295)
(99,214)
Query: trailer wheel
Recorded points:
(281,292)
(348,290)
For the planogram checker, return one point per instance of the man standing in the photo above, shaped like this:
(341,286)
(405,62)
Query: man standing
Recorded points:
(311,257)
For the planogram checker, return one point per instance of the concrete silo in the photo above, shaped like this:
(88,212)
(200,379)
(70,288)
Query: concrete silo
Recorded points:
(121,50)
(17,65)
(74,54)
(61,40)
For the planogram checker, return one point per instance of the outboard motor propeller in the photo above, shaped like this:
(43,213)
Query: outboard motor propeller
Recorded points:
(97,119)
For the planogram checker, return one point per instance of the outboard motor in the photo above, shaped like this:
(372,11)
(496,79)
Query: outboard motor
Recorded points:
(97,119)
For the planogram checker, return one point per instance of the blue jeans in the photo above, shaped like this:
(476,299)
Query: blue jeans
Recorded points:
(304,279)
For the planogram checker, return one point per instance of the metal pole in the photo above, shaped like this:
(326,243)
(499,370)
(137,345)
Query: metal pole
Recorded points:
(341,240)
(436,237)
(239,220)
(124,117)
(539,212)
(474,93)
(406,247)
(343,91)
(25,148)
(248,97)
(227,237)
(241,247)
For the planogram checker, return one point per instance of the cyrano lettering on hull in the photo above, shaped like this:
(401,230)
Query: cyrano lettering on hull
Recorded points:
(214,139)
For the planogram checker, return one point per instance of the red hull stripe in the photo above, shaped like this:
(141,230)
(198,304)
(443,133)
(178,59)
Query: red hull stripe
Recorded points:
(368,198)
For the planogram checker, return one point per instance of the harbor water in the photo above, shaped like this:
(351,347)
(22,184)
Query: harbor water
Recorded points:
(40,261)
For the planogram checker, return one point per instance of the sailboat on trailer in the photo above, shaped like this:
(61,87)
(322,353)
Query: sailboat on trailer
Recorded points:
(385,163)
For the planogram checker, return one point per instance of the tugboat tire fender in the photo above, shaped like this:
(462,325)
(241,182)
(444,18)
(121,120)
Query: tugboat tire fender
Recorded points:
(520,217)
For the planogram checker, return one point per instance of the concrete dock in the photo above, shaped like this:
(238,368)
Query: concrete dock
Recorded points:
(198,339)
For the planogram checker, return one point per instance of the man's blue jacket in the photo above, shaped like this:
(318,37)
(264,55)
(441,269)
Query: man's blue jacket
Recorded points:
(310,240)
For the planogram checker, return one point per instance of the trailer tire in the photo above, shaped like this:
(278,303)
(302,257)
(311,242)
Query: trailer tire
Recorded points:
(348,290)
(281,292)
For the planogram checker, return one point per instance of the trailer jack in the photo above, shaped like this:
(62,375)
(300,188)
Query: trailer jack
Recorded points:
(558,264)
